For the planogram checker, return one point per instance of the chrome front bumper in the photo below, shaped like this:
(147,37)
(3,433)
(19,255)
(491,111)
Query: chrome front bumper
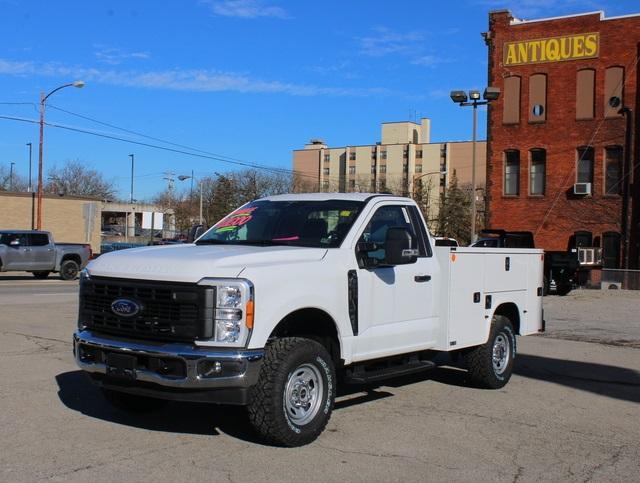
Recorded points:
(239,369)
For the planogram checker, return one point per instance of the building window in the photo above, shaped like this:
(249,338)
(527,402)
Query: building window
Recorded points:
(373,169)
(585,165)
(613,84)
(511,100)
(419,153)
(405,153)
(352,156)
(585,88)
(326,158)
(538,98)
(373,185)
(383,169)
(325,171)
(613,170)
(405,168)
(373,154)
(537,172)
(418,168)
(383,155)
(352,170)
(382,185)
(352,184)
(512,172)
(325,185)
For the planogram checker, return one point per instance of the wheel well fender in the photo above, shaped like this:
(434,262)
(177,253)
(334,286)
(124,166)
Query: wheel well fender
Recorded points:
(511,312)
(311,323)
(75,258)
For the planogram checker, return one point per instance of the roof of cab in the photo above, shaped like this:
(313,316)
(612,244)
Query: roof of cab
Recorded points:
(364,197)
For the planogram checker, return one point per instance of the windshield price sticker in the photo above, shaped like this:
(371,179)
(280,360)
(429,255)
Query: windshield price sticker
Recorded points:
(235,220)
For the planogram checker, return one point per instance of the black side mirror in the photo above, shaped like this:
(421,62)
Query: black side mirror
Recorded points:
(194,232)
(398,247)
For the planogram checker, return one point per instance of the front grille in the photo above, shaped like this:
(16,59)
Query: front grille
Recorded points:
(168,310)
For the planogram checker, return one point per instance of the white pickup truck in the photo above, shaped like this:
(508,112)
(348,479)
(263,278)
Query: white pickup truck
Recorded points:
(290,295)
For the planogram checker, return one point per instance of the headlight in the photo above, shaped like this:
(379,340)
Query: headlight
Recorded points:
(233,319)
(84,274)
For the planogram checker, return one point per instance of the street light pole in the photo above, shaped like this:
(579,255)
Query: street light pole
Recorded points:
(30,188)
(132,164)
(43,100)
(460,97)
(11,176)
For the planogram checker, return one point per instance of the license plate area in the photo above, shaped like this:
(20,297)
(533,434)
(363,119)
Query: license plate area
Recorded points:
(122,366)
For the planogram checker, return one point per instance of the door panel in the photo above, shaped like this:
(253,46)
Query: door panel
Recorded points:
(397,311)
(17,256)
(42,252)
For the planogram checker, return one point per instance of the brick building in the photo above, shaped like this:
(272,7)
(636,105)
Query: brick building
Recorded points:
(560,138)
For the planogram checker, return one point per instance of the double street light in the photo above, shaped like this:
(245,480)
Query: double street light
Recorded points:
(460,97)
(43,99)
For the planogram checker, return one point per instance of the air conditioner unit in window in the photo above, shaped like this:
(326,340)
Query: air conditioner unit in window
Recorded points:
(582,189)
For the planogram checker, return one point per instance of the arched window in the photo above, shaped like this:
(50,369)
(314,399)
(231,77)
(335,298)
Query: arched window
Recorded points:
(537,171)
(613,170)
(613,91)
(585,93)
(512,172)
(511,100)
(538,98)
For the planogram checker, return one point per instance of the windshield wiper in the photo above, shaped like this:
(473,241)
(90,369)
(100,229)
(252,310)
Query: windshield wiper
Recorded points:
(211,241)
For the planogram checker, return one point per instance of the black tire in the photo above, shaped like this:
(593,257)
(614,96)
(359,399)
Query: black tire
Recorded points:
(272,404)
(563,289)
(133,403)
(41,275)
(69,270)
(483,372)
(545,286)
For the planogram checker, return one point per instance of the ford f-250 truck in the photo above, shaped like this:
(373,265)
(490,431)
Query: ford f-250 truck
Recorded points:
(35,252)
(288,296)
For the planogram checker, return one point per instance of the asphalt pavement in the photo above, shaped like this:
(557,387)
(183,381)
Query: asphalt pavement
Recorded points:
(571,412)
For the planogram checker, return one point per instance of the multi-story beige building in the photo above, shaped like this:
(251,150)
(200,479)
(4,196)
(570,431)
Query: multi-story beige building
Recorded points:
(404,162)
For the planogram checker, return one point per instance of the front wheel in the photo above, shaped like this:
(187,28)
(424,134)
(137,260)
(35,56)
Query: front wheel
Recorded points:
(41,275)
(69,270)
(292,401)
(491,364)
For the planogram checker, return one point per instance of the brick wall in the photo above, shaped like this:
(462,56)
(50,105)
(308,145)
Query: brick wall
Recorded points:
(555,216)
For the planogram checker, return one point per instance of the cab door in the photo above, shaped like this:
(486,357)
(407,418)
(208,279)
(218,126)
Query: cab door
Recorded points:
(396,304)
(17,255)
(42,252)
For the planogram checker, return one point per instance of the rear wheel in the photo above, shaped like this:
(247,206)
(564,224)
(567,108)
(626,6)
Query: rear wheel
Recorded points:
(292,402)
(133,403)
(491,364)
(41,275)
(69,270)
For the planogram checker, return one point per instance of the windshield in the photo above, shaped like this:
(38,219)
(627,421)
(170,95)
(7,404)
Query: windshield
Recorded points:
(320,224)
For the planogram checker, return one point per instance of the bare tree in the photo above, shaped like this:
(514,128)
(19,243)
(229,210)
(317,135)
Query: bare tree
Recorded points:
(455,213)
(76,179)
(14,183)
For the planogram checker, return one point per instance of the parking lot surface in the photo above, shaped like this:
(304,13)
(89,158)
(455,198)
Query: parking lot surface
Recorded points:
(571,411)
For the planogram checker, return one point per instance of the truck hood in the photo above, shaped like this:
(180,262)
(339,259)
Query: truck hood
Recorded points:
(191,263)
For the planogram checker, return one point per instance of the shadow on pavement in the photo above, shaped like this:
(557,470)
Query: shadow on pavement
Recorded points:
(605,380)
(78,393)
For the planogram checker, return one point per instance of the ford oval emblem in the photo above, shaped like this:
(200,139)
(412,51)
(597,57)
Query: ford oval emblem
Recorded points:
(125,307)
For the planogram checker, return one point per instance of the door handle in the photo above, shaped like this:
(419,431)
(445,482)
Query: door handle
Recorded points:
(422,278)
(27,249)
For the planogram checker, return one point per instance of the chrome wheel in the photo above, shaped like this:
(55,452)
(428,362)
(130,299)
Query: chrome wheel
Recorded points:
(303,394)
(501,353)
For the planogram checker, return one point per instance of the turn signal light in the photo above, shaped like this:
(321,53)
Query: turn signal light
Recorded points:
(249,314)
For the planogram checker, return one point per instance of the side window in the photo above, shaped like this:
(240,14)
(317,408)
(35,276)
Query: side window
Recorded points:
(9,238)
(384,218)
(38,240)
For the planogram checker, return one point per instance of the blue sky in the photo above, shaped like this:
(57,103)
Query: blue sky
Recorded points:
(248,79)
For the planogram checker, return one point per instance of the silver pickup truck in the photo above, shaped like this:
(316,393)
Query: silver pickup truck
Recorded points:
(35,252)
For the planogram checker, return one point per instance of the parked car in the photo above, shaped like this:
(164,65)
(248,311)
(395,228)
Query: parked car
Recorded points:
(35,252)
(291,295)
(560,268)
(110,232)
